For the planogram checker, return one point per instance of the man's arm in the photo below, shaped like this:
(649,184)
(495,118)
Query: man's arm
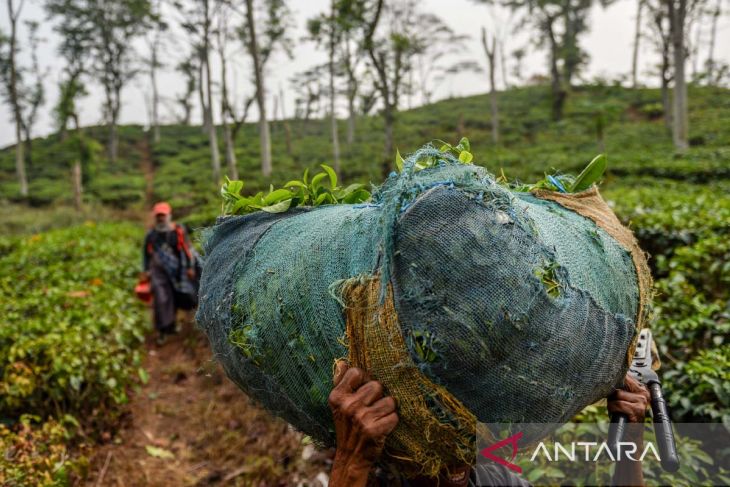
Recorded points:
(363,419)
(633,402)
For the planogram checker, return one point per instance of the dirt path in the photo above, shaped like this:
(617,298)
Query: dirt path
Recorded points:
(190,426)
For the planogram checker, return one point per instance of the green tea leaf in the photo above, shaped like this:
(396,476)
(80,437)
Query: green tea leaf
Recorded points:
(398,161)
(158,452)
(280,207)
(277,196)
(466,157)
(591,174)
(332,174)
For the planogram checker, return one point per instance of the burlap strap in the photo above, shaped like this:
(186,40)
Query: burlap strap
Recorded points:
(591,205)
(435,430)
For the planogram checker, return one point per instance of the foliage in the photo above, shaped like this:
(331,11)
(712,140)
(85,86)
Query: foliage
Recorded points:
(71,326)
(37,454)
(294,193)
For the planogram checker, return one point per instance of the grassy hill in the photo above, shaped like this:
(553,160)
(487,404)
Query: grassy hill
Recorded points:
(633,136)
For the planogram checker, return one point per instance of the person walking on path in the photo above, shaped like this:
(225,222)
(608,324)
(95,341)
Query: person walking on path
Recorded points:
(169,265)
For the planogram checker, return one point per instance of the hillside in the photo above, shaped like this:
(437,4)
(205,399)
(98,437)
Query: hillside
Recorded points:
(633,136)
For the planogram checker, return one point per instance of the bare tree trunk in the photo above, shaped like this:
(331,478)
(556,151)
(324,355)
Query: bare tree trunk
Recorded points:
(503,65)
(264,133)
(713,36)
(77,185)
(15,101)
(491,53)
(637,39)
(333,94)
(201,95)
(677,15)
(215,158)
(460,127)
(227,115)
(558,91)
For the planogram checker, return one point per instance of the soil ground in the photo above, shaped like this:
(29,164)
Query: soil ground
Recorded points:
(191,426)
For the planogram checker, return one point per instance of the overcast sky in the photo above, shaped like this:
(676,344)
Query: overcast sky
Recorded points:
(608,43)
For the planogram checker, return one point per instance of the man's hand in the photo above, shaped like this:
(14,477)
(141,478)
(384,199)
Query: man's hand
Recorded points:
(633,402)
(144,276)
(363,419)
(191,273)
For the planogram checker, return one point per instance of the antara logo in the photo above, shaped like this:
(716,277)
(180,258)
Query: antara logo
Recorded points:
(593,451)
(512,440)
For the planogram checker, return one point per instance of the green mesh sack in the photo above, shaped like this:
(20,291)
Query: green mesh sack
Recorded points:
(470,303)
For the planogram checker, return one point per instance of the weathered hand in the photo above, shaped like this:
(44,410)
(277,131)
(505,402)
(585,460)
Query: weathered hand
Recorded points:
(633,401)
(191,273)
(363,419)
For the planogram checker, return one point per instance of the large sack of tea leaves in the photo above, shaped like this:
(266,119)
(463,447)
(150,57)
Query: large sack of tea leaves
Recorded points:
(468,301)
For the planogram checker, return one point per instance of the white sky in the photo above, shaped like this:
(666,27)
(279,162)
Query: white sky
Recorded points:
(608,43)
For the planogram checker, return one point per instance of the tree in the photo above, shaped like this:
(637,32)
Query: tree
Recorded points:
(153,64)
(491,52)
(637,39)
(389,50)
(275,25)
(188,69)
(111,28)
(659,25)
(325,29)
(677,12)
(560,23)
(197,21)
(11,82)
(33,93)
(710,63)
(431,45)
(76,42)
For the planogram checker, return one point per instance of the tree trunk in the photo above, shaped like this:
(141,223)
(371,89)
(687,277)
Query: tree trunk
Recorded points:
(713,36)
(677,14)
(15,101)
(556,85)
(503,65)
(77,185)
(113,141)
(264,133)
(460,127)
(333,114)
(201,96)
(230,153)
(637,39)
(491,54)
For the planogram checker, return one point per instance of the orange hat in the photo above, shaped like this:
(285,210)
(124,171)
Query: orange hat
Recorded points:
(162,208)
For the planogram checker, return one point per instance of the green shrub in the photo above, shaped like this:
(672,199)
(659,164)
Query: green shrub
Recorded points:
(71,326)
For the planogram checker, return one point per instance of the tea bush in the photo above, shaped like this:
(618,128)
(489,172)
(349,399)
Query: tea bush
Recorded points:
(71,325)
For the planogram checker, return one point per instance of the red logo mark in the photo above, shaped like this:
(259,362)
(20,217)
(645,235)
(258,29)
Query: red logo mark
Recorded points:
(487,452)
